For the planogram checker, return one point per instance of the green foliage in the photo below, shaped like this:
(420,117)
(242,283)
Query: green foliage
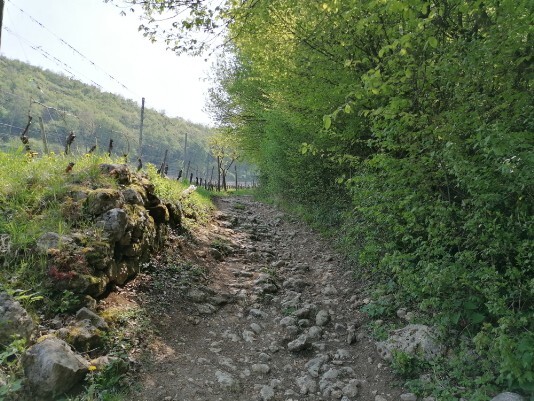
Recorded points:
(68,302)
(196,206)
(407,365)
(11,368)
(406,126)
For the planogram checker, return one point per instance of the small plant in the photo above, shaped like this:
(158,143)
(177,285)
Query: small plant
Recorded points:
(407,365)
(69,301)
(380,330)
(222,246)
(25,297)
(271,271)
(288,311)
(239,206)
(10,367)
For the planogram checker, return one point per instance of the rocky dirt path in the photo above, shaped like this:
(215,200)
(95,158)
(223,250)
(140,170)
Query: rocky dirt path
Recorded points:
(261,310)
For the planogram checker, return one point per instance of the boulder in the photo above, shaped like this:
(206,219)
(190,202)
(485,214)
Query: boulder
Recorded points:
(52,368)
(113,222)
(14,320)
(98,254)
(175,214)
(84,284)
(120,272)
(322,318)
(414,339)
(299,344)
(507,396)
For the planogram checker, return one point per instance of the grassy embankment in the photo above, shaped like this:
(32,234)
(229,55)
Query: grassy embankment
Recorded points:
(34,200)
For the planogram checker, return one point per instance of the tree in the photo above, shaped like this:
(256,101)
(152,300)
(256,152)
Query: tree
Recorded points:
(226,155)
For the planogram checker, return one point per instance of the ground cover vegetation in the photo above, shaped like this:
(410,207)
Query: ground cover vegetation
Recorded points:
(405,127)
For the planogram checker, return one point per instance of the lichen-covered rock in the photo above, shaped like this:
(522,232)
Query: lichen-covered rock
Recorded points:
(507,396)
(134,196)
(94,285)
(113,222)
(97,321)
(78,193)
(103,199)
(14,320)
(414,339)
(82,335)
(98,254)
(52,240)
(120,172)
(120,272)
(52,368)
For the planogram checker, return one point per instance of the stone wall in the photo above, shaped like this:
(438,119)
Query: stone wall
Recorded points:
(116,230)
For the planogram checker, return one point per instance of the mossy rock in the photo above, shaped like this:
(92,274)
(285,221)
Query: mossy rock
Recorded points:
(103,199)
(98,255)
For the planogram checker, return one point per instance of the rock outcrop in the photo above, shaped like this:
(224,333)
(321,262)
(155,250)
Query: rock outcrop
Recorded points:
(15,322)
(129,222)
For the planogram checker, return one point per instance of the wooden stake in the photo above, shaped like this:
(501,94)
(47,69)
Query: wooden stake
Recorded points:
(1,19)
(140,152)
(162,168)
(187,170)
(43,135)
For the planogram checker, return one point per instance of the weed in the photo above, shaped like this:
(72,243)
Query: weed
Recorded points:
(222,245)
(69,302)
(271,271)
(239,206)
(288,311)
(10,368)
(407,365)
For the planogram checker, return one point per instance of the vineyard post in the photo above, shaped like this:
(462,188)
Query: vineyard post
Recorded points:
(1,19)
(162,168)
(140,152)
(185,151)
(187,171)
(43,134)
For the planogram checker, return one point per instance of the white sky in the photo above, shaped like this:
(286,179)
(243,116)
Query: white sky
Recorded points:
(172,83)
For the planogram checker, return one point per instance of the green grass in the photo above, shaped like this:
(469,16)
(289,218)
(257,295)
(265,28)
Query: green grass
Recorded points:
(197,206)
(33,193)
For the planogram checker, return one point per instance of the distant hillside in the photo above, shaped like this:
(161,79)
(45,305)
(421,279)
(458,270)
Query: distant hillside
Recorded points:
(95,117)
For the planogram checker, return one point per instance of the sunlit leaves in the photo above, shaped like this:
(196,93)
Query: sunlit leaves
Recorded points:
(432,41)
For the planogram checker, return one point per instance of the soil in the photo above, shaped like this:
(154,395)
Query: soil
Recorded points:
(254,306)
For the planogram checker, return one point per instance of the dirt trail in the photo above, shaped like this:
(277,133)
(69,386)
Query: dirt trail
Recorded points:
(263,311)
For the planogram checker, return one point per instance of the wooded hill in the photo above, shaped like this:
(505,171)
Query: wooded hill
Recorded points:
(95,117)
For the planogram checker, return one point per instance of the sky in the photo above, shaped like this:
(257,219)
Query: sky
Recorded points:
(116,56)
